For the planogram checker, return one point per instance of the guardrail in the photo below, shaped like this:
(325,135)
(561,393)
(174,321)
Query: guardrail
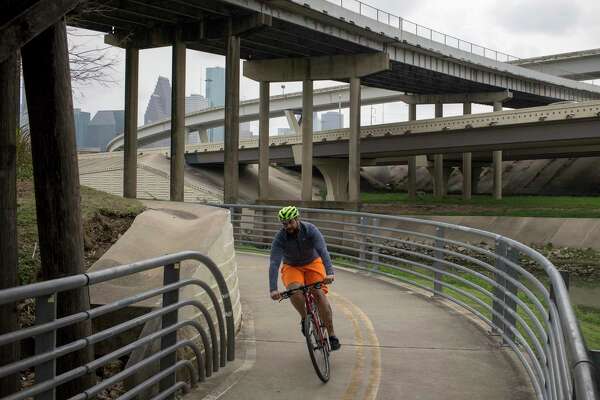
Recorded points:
(509,286)
(405,25)
(218,348)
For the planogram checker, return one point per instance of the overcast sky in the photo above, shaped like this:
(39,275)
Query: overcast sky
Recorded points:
(523,28)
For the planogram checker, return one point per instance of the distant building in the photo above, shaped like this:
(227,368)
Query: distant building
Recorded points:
(159,105)
(284,131)
(103,128)
(215,94)
(331,120)
(195,102)
(245,132)
(82,122)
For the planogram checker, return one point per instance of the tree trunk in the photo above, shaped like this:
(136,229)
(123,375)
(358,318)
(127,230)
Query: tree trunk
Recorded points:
(9,112)
(48,86)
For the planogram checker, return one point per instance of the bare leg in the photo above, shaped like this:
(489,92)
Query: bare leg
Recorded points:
(297,299)
(325,311)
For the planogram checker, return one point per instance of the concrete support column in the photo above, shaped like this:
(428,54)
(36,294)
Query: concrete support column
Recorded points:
(177,120)
(467,175)
(412,160)
(497,168)
(439,190)
(467,164)
(497,163)
(354,142)
(335,175)
(9,112)
(130,126)
(263,141)
(438,176)
(307,139)
(232,119)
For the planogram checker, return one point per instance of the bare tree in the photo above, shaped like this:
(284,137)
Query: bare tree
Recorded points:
(90,65)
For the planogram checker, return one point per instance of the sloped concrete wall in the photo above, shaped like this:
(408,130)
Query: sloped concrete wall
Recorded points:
(168,227)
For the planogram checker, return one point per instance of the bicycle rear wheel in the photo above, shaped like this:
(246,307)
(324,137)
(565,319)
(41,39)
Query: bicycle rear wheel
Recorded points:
(318,347)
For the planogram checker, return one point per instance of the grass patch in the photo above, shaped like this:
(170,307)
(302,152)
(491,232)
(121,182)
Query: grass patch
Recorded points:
(514,206)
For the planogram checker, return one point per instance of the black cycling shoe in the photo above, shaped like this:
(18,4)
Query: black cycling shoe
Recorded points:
(335,343)
(302,326)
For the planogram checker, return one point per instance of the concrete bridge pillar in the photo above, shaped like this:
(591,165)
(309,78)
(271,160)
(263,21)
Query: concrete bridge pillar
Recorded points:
(497,163)
(467,164)
(335,175)
(412,160)
(177,120)
(130,126)
(354,142)
(439,189)
(263,141)
(232,119)
(307,139)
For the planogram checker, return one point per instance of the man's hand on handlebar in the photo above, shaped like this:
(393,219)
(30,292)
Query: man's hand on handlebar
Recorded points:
(275,295)
(329,279)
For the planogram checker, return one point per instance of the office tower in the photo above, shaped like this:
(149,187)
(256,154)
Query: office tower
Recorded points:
(105,125)
(159,105)
(331,120)
(82,121)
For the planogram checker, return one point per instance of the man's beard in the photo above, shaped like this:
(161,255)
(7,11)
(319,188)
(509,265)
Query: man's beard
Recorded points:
(291,231)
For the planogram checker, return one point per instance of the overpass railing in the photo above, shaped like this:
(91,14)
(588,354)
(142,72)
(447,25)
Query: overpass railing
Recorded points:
(512,288)
(208,350)
(421,31)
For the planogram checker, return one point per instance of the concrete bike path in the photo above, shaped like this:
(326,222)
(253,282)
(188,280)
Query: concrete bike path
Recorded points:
(396,344)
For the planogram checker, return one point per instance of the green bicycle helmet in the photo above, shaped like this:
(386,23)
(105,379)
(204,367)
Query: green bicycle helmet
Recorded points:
(288,213)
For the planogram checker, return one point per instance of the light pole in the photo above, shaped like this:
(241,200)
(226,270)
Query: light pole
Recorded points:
(283,90)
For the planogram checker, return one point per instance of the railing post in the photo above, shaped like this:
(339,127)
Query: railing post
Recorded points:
(513,255)
(45,311)
(375,249)
(363,245)
(439,244)
(501,251)
(170,275)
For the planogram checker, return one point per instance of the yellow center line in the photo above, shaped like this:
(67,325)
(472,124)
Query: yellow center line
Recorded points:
(359,363)
(373,341)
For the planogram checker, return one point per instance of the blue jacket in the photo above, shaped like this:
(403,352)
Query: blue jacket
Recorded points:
(297,250)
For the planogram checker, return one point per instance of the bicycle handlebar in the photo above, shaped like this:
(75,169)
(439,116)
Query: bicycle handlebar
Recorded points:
(287,294)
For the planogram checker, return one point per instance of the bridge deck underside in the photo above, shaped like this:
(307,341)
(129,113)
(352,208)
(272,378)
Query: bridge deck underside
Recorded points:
(281,39)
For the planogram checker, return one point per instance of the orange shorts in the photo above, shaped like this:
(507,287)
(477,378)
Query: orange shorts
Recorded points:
(304,274)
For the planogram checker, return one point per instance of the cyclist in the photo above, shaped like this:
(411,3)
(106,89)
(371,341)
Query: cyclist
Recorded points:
(305,261)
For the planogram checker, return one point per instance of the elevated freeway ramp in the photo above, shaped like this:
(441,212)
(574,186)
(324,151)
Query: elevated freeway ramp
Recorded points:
(396,343)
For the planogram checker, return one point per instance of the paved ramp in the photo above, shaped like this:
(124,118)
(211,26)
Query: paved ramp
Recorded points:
(396,344)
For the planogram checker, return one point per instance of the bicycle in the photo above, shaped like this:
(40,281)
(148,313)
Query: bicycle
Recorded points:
(317,339)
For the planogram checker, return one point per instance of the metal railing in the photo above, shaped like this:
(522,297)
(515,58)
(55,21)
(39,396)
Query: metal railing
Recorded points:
(420,31)
(509,286)
(217,345)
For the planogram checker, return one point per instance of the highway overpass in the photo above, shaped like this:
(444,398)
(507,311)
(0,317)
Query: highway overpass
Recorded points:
(568,129)
(578,65)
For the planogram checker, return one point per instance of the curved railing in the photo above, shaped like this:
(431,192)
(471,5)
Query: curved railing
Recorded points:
(216,349)
(509,286)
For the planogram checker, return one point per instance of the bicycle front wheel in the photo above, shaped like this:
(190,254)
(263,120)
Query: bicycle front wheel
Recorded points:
(318,348)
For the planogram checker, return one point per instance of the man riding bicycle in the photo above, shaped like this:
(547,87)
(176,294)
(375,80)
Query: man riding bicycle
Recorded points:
(305,261)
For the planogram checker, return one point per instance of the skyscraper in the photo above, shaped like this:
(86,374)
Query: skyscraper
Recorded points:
(82,121)
(159,105)
(331,120)
(105,125)
(195,102)
(215,94)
